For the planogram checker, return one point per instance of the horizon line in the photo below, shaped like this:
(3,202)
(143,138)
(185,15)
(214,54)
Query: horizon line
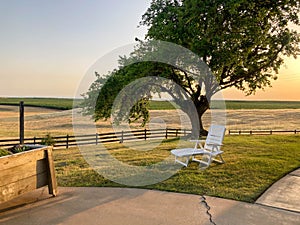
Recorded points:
(68,97)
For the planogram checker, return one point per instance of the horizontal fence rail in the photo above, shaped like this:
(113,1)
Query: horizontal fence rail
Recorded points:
(122,136)
(261,132)
(94,139)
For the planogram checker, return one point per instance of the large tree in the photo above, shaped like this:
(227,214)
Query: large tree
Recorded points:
(243,42)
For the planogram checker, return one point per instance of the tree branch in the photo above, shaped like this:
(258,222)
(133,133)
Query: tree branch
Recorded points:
(180,83)
(189,83)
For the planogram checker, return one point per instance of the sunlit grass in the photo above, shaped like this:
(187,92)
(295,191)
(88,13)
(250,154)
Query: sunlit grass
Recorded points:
(253,163)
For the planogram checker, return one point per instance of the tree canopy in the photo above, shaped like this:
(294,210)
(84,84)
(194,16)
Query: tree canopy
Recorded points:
(243,42)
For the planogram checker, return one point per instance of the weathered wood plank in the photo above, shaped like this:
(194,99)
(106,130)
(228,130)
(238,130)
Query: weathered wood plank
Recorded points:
(52,183)
(23,171)
(19,187)
(11,161)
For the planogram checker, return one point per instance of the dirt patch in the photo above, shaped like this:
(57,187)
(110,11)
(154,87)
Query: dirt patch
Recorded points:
(276,119)
(13,111)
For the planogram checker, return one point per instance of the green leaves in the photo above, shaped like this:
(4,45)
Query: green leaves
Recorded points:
(242,41)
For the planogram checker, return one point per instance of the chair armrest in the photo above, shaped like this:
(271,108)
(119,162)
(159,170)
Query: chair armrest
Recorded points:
(215,144)
(199,140)
(198,143)
(215,147)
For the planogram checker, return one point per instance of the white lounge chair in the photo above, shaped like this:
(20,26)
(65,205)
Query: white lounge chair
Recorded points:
(209,151)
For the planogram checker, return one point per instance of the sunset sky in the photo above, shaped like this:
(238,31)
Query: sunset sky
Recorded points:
(47,46)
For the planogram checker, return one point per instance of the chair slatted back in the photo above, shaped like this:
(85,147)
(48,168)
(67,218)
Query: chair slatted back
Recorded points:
(215,136)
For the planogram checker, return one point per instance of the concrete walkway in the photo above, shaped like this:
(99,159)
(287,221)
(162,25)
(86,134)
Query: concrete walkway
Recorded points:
(110,206)
(284,194)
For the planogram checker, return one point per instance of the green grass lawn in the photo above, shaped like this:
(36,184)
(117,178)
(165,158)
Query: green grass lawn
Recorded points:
(253,164)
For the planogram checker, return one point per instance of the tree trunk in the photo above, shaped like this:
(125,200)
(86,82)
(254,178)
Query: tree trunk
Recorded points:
(201,107)
(195,116)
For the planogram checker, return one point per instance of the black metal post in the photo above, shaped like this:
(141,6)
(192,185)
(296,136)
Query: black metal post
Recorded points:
(67,140)
(21,123)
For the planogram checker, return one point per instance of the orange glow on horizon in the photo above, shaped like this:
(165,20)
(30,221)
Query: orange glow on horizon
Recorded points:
(286,87)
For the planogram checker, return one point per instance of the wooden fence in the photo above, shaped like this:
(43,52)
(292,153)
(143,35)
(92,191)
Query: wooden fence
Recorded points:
(94,139)
(119,137)
(261,132)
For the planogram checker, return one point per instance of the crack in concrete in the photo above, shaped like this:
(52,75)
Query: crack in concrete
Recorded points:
(204,202)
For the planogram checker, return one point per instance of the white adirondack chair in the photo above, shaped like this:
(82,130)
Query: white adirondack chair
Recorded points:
(209,149)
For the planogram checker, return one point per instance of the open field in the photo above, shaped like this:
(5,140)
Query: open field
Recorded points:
(253,163)
(40,121)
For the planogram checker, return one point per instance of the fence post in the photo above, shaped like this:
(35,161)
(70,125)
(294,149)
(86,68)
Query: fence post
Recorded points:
(176,132)
(96,138)
(34,140)
(184,132)
(67,140)
(166,133)
(250,132)
(145,134)
(21,108)
(295,131)
(271,132)
(228,132)
(122,136)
